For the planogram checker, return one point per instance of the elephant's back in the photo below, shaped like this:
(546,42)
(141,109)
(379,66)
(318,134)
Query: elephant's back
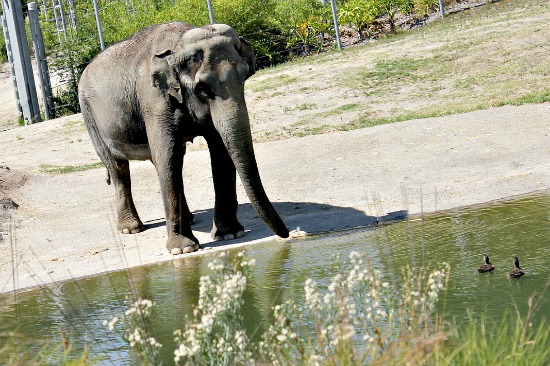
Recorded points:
(130,57)
(144,41)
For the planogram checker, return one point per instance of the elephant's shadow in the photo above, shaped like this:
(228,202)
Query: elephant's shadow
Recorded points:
(313,218)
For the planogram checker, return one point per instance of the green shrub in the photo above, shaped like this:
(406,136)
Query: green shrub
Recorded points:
(424,7)
(301,21)
(358,13)
(391,8)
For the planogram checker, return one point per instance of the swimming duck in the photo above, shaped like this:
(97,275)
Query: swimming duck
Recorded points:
(517,272)
(487,267)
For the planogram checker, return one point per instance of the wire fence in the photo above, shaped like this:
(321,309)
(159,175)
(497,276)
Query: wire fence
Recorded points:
(76,30)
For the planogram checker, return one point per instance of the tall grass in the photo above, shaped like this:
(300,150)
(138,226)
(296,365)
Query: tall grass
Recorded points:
(358,318)
(15,352)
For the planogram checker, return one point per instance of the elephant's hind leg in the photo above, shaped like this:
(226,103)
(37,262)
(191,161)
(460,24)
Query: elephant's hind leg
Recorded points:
(128,219)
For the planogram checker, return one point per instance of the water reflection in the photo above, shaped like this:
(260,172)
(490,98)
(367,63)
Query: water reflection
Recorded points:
(460,237)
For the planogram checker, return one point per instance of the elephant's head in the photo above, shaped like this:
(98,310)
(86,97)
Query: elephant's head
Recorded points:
(204,71)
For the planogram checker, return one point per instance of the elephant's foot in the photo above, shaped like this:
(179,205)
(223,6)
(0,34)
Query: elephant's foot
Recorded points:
(179,244)
(130,225)
(229,233)
(230,236)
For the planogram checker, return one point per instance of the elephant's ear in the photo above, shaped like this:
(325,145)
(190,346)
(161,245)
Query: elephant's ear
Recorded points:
(247,54)
(164,76)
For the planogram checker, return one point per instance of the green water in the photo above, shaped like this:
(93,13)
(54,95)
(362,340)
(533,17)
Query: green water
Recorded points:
(519,227)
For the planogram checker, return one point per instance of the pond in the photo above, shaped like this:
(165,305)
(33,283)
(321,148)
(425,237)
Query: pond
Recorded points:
(516,227)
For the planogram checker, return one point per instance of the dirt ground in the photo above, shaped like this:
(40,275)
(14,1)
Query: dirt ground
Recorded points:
(64,225)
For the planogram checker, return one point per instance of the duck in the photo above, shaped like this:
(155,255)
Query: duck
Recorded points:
(487,266)
(516,272)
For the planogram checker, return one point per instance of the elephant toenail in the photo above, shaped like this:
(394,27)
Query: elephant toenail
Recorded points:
(190,248)
(176,251)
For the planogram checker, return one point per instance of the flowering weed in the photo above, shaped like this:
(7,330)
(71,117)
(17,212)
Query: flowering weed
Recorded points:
(137,330)
(358,318)
(215,335)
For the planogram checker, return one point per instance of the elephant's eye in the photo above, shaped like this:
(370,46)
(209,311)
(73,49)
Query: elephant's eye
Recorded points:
(192,62)
(204,92)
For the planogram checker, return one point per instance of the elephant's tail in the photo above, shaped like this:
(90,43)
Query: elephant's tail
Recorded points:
(100,146)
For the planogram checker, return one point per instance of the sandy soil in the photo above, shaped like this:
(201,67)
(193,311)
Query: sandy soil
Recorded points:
(9,115)
(63,227)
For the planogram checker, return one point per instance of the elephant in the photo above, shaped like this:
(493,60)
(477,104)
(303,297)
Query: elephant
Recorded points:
(145,97)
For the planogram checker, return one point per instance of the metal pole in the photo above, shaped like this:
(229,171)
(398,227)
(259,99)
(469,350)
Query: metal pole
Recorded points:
(210,11)
(10,62)
(441,9)
(336,29)
(41,62)
(98,21)
(22,60)
(44,8)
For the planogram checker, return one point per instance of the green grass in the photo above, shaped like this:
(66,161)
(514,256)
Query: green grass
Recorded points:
(510,341)
(66,169)
(300,107)
(539,97)
(391,69)
(274,82)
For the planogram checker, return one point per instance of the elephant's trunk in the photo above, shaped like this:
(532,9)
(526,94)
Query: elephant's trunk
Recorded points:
(230,118)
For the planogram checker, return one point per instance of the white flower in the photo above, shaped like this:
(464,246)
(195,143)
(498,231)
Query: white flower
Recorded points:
(111,324)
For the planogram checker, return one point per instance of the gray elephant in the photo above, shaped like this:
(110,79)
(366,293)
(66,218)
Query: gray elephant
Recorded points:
(145,97)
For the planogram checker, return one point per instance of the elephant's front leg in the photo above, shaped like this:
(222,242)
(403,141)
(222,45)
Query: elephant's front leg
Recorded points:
(225,226)
(168,160)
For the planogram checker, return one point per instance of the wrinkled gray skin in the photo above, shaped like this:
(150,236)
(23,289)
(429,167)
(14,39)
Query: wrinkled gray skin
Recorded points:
(145,97)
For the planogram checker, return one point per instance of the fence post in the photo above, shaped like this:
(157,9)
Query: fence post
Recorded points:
(210,11)
(10,62)
(98,21)
(336,28)
(21,60)
(41,62)
(441,9)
